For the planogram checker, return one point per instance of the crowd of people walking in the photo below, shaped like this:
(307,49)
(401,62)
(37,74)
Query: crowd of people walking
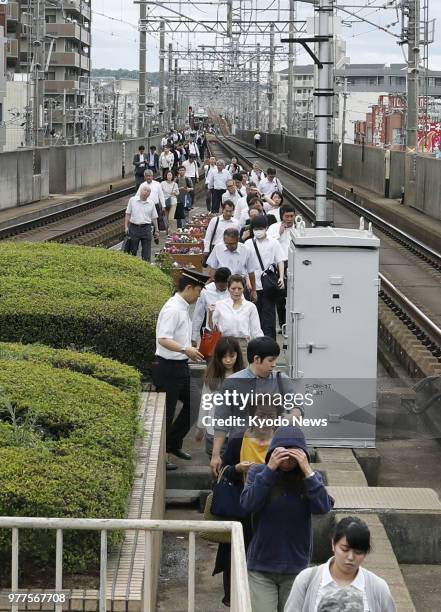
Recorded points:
(273,489)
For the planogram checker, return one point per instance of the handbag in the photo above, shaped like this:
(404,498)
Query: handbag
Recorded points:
(217,537)
(270,277)
(126,245)
(210,248)
(208,342)
(162,225)
(226,498)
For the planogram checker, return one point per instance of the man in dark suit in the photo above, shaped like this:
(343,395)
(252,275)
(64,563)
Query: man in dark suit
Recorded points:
(153,161)
(140,163)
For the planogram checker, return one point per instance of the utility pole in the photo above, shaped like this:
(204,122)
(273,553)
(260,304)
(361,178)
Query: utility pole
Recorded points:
(325,95)
(290,113)
(169,87)
(257,121)
(250,96)
(343,125)
(175,94)
(270,93)
(161,73)
(142,68)
(38,69)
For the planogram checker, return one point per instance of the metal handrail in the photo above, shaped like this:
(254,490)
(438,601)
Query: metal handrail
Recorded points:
(240,596)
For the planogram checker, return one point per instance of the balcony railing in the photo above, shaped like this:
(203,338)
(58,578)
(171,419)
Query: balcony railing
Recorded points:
(79,6)
(70,59)
(69,30)
(240,596)
(58,87)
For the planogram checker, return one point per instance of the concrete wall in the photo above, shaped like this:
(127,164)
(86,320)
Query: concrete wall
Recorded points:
(428,186)
(24,177)
(76,167)
(362,166)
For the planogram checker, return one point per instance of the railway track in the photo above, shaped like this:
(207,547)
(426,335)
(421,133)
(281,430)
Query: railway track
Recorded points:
(413,311)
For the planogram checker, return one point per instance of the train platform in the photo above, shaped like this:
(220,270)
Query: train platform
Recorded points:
(408,219)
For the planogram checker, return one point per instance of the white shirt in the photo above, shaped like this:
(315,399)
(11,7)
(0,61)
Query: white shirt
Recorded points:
(170,190)
(193,148)
(328,586)
(269,187)
(219,235)
(174,323)
(218,180)
(141,211)
(151,159)
(166,160)
(255,178)
(163,141)
(191,169)
(207,170)
(270,252)
(241,261)
(235,197)
(270,210)
(239,168)
(156,193)
(284,239)
(240,322)
(257,136)
(240,207)
(209,295)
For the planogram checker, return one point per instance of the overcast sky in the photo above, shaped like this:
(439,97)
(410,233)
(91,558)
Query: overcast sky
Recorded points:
(115,35)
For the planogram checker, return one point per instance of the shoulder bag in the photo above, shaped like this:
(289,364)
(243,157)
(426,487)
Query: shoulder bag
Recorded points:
(207,255)
(270,277)
(226,498)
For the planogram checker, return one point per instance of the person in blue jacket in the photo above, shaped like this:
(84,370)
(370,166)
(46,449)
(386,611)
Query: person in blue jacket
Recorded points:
(282,495)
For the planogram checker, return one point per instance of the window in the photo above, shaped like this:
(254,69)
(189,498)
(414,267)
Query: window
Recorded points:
(51,18)
(51,76)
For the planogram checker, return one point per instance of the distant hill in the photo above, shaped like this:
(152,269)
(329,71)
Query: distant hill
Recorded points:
(123,73)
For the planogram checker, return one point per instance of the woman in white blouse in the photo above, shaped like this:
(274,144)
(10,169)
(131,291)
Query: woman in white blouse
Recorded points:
(171,192)
(236,316)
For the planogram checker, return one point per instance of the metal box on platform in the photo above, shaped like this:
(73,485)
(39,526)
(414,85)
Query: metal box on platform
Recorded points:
(332,318)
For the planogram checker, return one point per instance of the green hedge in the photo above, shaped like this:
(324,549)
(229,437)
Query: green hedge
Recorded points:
(66,446)
(81,298)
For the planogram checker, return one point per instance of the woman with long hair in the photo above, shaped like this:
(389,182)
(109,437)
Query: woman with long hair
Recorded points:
(171,192)
(351,542)
(282,494)
(243,451)
(226,360)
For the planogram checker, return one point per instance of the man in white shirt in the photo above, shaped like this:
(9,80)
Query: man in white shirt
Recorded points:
(257,138)
(173,350)
(192,148)
(270,183)
(268,253)
(191,172)
(211,294)
(164,141)
(235,163)
(231,193)
(156,193)
(218,183)
(235,256)
(242,203)
(208,168)
(140,216)
(217,226)
(281,231)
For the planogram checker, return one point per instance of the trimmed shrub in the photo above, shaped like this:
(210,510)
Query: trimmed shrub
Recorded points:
(66,446)
(68,296)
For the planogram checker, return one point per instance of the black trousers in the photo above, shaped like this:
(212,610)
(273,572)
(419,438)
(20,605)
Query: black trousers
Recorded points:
(266,308)
(138,180)
(141,234)
(173,377)
(281,303)
(216,200)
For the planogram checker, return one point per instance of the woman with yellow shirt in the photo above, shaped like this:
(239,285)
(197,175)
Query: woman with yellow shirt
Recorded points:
(244,450)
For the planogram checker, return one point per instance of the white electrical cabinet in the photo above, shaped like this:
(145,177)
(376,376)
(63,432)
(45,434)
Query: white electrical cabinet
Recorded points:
(332,318)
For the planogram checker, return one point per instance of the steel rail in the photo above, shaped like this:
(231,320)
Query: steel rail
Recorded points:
(424,329)
(417,247)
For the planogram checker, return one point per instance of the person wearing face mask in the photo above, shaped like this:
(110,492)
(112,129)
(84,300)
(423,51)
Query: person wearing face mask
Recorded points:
(268,253)
(283,494)
(316,588)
